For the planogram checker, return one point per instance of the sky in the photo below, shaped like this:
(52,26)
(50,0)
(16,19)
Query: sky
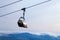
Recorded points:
(41,18)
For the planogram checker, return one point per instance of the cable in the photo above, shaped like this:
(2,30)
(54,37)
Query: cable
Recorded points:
(10,3)
(38,4)
(25,7)
(9,13)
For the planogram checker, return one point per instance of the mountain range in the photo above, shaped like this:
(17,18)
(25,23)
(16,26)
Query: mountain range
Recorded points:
(27,36)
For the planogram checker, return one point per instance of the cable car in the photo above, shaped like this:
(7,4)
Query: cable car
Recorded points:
(21,22)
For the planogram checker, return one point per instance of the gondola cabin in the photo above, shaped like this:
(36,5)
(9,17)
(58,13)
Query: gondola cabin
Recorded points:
(21,23)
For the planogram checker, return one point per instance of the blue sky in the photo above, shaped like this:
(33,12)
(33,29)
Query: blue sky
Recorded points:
(41,18)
